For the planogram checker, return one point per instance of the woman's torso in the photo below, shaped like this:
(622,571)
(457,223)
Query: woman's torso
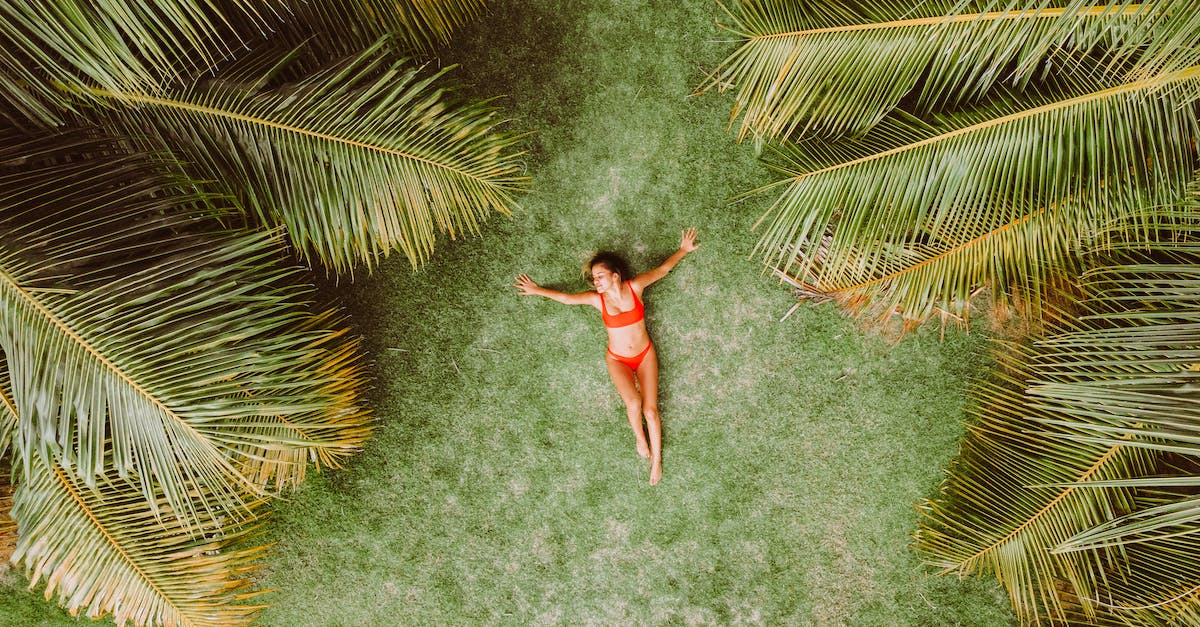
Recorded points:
(630,338)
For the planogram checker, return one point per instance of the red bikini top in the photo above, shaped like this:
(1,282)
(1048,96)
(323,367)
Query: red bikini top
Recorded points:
(625,318)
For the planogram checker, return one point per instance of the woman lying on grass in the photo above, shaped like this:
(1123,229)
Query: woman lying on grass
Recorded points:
(632,362)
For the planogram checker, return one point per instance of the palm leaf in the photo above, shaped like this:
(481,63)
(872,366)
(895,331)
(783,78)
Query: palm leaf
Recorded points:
(922,224)
(839,68)
(117,46)
(1115,387)
(341,28)
(1135,366)
(103,549)
(124,318)
(1168,43)
(992,517)
(364,158)
(1018,253)
(1159,582)
(337,424)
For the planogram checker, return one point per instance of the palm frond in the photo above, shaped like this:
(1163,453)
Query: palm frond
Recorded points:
(925,222)
(341,28)
(808,69)
(333,428)
(1168,43)
(992,517)
(364,158)
(1159,582)
(1017,253)
(102,549)
(118,46)
(1118,385)
(1136,366)
(125,317)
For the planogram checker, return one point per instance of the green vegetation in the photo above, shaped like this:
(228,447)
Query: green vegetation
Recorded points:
(1082,465)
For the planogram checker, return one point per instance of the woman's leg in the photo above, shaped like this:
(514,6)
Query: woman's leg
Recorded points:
(647,377)
(622,377)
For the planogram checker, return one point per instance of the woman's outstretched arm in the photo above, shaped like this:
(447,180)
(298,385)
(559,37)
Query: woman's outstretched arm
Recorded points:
(687,243)
(527,287)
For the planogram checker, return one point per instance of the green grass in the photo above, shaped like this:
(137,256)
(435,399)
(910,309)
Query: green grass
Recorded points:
(503,485)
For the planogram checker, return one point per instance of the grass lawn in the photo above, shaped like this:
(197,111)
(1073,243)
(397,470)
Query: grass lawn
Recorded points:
(503,485)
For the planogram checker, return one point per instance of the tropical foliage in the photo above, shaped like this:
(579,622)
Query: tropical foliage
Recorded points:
(1077,486)
(165,368)
(1040,152)
(935,148)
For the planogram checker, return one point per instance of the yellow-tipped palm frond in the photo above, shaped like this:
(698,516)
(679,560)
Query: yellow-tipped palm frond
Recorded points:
(102,549)
(125,319)
(1104,408)
(334,427)
(364,158)
(835,68)
(995,197)
(1002,507)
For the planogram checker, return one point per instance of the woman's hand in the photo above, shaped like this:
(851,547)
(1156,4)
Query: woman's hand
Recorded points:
(525,285)
(688,242)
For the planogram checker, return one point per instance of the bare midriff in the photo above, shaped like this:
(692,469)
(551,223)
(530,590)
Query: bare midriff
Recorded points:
(629,340)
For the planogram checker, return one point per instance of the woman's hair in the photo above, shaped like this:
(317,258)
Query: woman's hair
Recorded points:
(612,262)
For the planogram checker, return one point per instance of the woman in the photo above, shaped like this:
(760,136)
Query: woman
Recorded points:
(632,362)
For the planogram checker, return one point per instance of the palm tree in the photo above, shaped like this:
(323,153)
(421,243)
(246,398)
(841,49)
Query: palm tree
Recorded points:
(164,373)
(933,149)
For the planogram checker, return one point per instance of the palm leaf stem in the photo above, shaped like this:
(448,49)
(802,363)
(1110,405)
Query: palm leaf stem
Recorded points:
(942,255)
(1084,476)
(181,105)
(8,283)
(1041,13)
(1144,84)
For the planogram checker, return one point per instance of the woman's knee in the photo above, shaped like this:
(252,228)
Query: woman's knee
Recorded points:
(650,411)
(633,406)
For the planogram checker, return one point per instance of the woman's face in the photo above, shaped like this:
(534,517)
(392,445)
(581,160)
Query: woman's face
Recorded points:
(603,278)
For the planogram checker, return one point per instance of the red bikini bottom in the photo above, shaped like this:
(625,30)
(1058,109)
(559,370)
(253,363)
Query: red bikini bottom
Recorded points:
(636,360)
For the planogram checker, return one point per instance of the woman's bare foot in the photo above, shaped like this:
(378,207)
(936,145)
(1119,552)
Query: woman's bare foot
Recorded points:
(655,472)
(643,449)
